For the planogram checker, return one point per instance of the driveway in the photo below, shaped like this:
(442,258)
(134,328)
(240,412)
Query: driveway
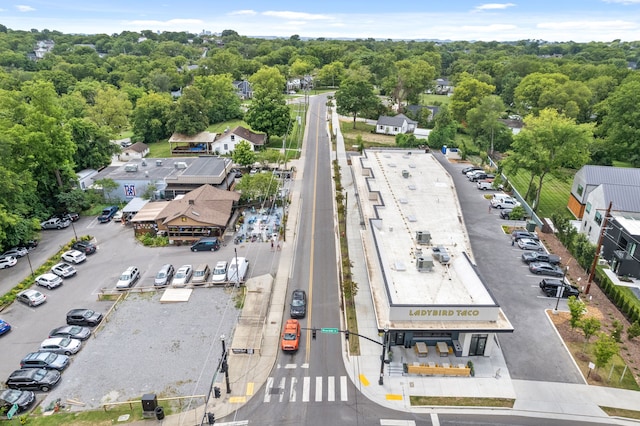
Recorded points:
(533,351)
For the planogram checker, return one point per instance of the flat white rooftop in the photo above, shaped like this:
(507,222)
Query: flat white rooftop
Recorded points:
(403,193)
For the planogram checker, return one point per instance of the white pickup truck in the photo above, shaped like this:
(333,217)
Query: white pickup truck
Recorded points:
(504,203)
(484,184)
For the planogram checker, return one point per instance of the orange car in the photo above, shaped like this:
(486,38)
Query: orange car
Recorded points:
(291,336)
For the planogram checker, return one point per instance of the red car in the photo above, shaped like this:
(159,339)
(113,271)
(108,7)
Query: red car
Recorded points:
(291,336)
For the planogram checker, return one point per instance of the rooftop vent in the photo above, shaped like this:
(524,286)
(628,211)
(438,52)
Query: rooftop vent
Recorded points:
(158,163)
(423,237)
(405,174)
(424,264)
(181,165)
(144,163)
(131,168)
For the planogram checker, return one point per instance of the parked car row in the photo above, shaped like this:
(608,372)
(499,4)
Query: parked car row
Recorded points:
(10,257)
(41,370)
(233,271)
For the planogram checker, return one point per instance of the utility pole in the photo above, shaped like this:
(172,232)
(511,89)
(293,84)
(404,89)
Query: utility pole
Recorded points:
(225,364)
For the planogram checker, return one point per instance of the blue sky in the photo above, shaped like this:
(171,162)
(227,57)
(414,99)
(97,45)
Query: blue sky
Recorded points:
(559,20)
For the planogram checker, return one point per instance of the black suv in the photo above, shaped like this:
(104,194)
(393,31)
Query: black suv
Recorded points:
(298,304)
(33,379)
(47,360)
(550,287)
(84,246)
(83,317)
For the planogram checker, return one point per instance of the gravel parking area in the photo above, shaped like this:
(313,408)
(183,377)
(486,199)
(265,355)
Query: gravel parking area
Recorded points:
(170,349)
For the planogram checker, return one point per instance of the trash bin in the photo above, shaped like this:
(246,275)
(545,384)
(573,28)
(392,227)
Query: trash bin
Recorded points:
(444,149)
(531,226)
(159,413)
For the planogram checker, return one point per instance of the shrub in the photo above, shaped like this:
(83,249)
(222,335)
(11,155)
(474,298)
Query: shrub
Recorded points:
(617,331)
(634,330)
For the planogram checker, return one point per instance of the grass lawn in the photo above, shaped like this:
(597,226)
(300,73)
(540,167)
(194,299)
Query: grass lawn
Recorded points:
(462,401)
(125,134)
(159,149)
(427,99)
(555,192)
(231,124)
(95,418)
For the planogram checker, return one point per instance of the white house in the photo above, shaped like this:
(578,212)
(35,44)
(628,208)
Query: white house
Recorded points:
(394,125)
(226,142)
(624,199)
(138,150)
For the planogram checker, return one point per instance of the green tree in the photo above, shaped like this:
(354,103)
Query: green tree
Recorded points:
(412,77)
(267,114)
(621,124)
(93,147)
(151,116)
(331,74)
(355,96)
(634,330)
(257,187)
(189,115)
(111,109)
(483,120)
(75,200)
(589,327)
(268,80)
(444,130)
(107,186)
(548,143)
(468,94)
(243,154)
(577,309)
(222,101)
(604,349)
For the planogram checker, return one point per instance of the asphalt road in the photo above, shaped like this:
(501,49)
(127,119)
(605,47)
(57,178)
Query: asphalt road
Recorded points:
(168,349)
(534,351)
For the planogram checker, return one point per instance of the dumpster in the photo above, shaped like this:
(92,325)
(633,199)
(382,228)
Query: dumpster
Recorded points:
(531,226)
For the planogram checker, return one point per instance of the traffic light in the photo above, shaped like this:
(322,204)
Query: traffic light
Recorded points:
(346,334)
(216,392)
(211,418)
(313,333)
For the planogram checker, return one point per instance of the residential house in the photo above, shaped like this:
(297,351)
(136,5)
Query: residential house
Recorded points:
(243,89)
(394,125)
(443,87)
(415,111)
(226,142)
(624,199)
(138,150)
(590,177)
(190,145)
(621,244)
(513,124)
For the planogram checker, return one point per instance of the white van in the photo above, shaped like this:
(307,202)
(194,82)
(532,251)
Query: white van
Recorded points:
(237,269)
(220,272)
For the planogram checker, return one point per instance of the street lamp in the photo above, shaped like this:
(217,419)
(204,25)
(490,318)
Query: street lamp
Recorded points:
(29,260)
(384,348)
(225,365)
(561,289)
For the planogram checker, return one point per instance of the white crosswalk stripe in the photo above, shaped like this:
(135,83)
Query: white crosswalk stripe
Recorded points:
(292,389)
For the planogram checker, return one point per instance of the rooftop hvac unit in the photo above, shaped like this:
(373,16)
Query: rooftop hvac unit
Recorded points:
(158,163)
(405,174)
(423,237)
(144,163)
(181,165)
(131,168)
(424,264)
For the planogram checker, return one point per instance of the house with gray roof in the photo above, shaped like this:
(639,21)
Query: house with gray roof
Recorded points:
(395,125)
(226,142)
(589,177)
(624,199)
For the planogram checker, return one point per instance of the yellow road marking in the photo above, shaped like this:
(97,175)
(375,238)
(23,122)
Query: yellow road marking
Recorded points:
(394,397)
(237,400)
(363,380)
(250,388)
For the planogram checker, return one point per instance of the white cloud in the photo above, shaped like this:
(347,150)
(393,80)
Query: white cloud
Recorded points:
(623,1)
(296,15)
(493,6)
(24,8)
(244,12)
(489,28)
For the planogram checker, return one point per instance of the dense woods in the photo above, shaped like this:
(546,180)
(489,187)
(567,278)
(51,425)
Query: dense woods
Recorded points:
(60,109)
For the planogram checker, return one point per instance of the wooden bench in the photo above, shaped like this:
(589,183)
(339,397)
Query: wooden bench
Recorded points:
(425,370)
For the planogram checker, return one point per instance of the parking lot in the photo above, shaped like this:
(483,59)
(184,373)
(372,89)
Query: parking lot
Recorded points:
(533,351)
(145,346)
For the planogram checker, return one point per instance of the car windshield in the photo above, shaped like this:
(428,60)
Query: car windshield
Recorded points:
(87,314)
(198,273)
(218,271)
(124,277)
(290,336)
(11,396)
(39,374)
(50,358)
(74,330)
(161,274)
(297,302)
(181,274)
(65,342)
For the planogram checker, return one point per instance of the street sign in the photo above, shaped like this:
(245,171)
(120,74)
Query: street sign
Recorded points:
(12,411)
(329,330)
